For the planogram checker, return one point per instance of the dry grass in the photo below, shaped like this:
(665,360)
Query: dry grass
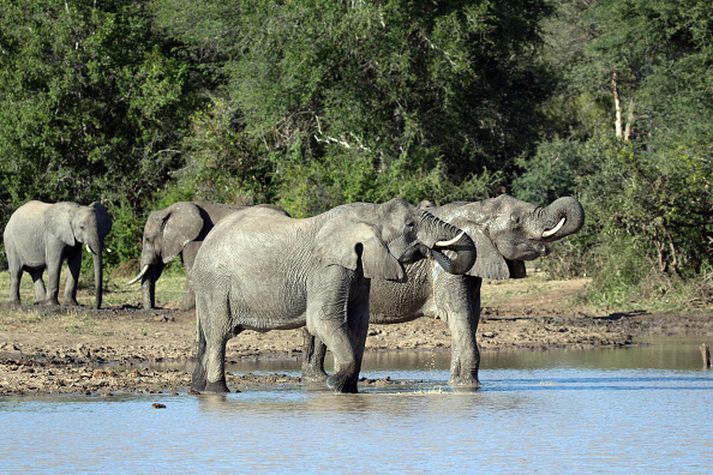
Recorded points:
(169,289)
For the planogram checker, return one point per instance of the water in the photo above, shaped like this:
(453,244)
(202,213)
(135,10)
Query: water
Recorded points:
(639,410)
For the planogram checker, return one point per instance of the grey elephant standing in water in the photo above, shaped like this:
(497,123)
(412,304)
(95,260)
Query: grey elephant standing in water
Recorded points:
(506,232)
(176,230)
(260,270)
(41,235)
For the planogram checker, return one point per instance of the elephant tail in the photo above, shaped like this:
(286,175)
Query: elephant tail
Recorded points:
(199,378)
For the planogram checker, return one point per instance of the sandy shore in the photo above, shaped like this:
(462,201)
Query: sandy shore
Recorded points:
(124,349)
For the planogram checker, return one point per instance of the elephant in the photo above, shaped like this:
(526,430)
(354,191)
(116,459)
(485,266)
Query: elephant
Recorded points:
(177,229)
(260,270)
(506,232)
(41,235)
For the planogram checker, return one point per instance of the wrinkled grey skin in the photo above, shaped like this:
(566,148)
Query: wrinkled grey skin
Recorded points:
(260,270)
(176,230)
(41,235)
(506,232)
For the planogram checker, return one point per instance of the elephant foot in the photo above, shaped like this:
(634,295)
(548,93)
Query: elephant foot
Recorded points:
(71,303)
(313,375)
(14,304)
(51,303)
(314,380)
(341,383)
(464,382)
(216,387)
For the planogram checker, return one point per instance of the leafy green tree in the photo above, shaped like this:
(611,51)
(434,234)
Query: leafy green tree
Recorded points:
(638,105)
(92,103)
(347,99)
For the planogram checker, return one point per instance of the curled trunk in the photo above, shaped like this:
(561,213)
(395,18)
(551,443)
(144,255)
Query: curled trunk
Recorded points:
(562,217)
(148,285)
(440,237)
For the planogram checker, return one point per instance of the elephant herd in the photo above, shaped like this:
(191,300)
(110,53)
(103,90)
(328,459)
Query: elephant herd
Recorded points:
(257,268)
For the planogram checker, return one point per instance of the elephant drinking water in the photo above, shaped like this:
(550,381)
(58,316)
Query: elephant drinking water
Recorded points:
(506,232)
(177,230)
(260,270)
(41,235)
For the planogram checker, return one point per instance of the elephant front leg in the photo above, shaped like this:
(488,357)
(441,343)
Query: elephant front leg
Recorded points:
(189,299)
(54,261)
(328,318)
(313,355)
(74,264)
(463,315)
(188,256)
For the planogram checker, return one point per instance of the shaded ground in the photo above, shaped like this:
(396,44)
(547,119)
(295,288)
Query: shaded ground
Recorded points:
(126,349)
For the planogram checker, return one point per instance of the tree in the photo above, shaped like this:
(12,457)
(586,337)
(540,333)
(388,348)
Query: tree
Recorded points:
(91,103)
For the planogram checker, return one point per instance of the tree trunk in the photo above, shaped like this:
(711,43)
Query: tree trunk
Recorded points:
(629,121)
(617,106)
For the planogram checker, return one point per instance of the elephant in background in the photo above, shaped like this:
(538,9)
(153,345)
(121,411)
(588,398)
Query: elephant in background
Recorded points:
(177,229)
(261,270)
(41,235)
(506,232)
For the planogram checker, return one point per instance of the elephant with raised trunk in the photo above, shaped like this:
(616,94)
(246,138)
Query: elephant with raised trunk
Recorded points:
(259,270)
(41,235)
(176,230)
(506,232)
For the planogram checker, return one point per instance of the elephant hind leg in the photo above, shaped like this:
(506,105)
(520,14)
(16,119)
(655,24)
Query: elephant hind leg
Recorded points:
(15,278)
(199,380)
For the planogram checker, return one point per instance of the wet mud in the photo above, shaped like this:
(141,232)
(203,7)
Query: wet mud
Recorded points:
(125,349)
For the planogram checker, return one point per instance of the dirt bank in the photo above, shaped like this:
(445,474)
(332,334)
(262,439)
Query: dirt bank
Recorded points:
(124,349)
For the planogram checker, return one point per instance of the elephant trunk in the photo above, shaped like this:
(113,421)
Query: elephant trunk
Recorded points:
(562,217)
(98,278)
(448,238)
(151,273)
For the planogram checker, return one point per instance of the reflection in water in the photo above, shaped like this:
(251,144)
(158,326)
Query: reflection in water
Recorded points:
(554,412)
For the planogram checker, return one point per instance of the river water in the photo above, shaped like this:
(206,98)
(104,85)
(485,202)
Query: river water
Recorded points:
(645,409)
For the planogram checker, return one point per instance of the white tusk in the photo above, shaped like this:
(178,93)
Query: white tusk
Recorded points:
(554,230)
(141,274)
(89,249)
(452,241)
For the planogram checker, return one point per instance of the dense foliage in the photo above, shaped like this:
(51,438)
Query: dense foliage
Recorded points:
(309,104)
(634,140)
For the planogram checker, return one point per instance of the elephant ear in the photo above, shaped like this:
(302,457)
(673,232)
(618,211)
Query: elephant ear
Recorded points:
(337,244)
(182,225)
(103,219)
(58,219)
(489,263)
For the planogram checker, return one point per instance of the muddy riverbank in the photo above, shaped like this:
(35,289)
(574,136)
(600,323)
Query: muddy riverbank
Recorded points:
(124,349)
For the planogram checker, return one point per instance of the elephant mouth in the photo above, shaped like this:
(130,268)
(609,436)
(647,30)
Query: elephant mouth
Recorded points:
(415,252)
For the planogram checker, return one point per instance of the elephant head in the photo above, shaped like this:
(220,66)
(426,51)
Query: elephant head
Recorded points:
(508,231)
(88,225)
(384,238)
(166,233)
